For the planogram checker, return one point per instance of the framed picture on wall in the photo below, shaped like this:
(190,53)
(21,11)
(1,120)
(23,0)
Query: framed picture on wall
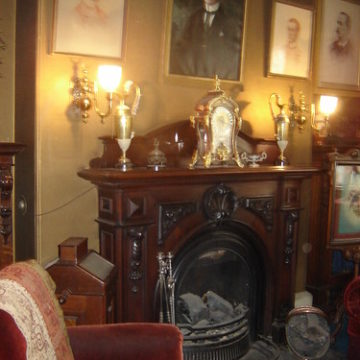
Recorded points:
(205,38)
(345,203)
(291,40)
(338,64)
(87,27)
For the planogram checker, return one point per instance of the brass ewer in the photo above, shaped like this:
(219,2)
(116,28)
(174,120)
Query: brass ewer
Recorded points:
(123,121)
(282,124)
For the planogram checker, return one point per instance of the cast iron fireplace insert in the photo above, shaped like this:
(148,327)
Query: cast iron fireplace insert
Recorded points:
(219,292)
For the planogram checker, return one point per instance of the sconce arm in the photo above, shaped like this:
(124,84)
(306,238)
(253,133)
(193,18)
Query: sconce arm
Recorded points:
(312,115)
(103,115)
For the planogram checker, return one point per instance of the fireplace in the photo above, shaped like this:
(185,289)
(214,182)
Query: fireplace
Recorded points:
(223,261)
(241,223)
(219,289)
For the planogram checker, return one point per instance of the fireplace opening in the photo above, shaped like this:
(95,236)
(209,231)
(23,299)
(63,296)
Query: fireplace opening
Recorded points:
(219,291)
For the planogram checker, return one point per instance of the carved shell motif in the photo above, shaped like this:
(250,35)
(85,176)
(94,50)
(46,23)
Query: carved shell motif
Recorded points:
(220,203)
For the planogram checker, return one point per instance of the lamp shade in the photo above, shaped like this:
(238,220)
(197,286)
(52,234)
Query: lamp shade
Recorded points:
(109,77)
(328,104)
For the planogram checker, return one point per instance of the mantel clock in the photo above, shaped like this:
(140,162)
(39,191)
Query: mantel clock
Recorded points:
(217,123)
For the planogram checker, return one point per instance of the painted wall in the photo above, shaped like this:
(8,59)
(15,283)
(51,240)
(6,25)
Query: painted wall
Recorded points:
(66,204)
(7,56)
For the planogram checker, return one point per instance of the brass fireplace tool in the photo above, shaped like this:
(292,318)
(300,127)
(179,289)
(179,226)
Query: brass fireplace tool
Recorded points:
(166,288)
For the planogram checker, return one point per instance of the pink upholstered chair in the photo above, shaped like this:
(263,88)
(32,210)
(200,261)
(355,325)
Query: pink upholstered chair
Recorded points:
(32,326)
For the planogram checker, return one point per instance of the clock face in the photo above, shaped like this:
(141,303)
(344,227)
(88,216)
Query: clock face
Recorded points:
(222,123)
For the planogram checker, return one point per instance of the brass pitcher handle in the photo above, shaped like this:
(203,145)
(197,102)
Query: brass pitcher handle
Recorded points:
(128,86)
(278,99)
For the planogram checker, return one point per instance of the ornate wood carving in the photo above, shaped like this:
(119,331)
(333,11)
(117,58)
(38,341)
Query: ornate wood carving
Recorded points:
(291,218)
(7,151)
(6,185)
(136,237)
(139,234)
(220,202)
(262,207)
(169,215)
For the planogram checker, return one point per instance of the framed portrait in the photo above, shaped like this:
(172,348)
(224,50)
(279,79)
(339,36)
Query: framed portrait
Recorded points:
(345,203)
(338,63)
(91,28)
(290,40)
(205,39)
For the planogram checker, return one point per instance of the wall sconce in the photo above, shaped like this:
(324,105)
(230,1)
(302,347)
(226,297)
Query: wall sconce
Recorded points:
(85,96)
(85,92)
(297,113)
(320,121)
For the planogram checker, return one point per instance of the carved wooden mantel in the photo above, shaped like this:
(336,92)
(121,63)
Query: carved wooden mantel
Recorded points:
(142,212)
(7,152)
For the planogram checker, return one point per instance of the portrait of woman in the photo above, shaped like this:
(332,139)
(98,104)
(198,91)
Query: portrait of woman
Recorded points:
(89,27)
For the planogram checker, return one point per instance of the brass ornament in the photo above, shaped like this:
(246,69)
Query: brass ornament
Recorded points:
(217,122)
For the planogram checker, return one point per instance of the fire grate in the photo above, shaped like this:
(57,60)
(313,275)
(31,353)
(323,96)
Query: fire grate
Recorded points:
(228,340)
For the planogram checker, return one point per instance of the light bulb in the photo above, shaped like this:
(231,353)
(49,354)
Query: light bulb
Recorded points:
(109,77)
(328,104)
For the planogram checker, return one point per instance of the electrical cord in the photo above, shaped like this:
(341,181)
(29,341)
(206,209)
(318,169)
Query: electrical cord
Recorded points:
(67,203)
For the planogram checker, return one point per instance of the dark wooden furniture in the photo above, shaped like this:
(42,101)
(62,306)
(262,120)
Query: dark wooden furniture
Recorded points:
(142,212)
(7,153)
(85,284)
(325,284)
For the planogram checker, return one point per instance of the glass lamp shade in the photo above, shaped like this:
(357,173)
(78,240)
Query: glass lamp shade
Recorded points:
(328,104)
(109,77)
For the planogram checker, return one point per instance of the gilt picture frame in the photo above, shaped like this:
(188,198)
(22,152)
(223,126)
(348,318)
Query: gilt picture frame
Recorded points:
(291,40)
(339,45)
(344,210)
(89,28)
(194,50)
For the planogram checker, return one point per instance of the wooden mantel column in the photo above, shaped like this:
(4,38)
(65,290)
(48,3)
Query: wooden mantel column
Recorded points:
(7,152)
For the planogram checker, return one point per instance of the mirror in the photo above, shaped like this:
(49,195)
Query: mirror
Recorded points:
(308,332)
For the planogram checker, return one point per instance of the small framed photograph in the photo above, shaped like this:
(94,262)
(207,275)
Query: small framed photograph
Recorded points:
(345,203)
(88,27)
(205,38)
(291,40)
(338,63)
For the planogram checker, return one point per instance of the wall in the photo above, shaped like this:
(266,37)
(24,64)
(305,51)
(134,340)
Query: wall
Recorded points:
(66,204)
(7,56)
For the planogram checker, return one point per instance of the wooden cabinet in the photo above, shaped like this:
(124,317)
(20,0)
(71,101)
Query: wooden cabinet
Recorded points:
(85,284)
(328,271)
(7,152)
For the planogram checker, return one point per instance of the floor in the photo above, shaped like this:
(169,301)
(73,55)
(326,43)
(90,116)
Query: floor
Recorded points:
(331,355)
(266,350)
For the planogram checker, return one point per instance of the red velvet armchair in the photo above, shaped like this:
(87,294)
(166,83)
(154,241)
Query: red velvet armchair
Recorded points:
(32,326)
